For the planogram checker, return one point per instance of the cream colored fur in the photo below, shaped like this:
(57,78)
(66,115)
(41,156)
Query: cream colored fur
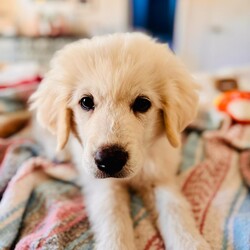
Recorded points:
(115,69)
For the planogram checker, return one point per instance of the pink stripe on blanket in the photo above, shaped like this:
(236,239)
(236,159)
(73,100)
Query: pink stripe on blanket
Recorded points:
(213,170)
(36,79)
(245,166)
(155,242)
(199,193)
(61,217)
(37,164)
(6,146)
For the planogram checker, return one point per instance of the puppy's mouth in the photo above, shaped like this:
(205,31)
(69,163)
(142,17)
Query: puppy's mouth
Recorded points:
(120,175)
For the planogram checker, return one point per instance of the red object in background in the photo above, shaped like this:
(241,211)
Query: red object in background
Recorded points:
(236,104)
(35,79)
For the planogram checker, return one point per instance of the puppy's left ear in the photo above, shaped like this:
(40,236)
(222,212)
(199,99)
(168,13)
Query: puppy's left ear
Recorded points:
(180,99)
(63,128)
(52,112)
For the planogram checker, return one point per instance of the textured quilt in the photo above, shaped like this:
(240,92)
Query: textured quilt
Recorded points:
(41,205)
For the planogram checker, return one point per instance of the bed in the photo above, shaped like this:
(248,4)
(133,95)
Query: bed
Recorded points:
(41,205)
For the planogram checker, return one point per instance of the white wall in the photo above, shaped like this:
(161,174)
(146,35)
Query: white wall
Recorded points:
(211,34)
(90,18)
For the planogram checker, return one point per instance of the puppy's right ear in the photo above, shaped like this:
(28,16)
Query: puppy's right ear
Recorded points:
(179,96)
(50,104)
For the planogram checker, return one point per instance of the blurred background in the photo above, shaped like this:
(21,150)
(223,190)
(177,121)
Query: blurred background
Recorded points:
(212,38)
(206,34)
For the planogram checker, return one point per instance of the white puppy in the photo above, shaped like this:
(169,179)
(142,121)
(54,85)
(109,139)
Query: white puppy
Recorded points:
(126,99)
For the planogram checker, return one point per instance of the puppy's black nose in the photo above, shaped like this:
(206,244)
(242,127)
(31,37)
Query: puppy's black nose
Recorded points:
(111,159)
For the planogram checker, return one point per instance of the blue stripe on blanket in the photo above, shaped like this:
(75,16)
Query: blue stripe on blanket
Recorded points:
(231,210)
(189,151)
(22,204)
(39,195)
(9,232)
(137,206)
(78,242)
(241,227)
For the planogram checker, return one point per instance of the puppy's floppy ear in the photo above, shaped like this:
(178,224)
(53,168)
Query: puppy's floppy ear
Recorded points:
(52,98)
(63,127)
(180,99)
(51,110)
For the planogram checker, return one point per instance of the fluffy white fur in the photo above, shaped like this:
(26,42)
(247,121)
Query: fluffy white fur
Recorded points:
(115,69)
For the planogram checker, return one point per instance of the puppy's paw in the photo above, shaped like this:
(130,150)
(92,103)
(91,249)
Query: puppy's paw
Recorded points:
(188,243)
(203,246)
(200,244)
(115,246)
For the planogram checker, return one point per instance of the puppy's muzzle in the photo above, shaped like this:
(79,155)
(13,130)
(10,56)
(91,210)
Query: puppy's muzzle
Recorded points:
(111,159)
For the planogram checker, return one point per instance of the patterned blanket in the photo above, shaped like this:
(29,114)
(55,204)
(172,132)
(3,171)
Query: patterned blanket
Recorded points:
(41,205)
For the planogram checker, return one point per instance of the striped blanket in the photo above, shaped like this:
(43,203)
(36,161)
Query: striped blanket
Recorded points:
(41,205)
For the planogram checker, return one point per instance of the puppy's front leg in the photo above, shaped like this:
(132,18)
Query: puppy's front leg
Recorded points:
(176,222)
(108,209)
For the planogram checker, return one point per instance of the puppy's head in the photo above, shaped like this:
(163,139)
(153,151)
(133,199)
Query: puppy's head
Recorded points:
(116,94)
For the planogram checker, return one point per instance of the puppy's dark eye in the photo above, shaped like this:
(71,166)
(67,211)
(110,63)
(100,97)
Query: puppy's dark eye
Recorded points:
(87,103)
(141,104)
